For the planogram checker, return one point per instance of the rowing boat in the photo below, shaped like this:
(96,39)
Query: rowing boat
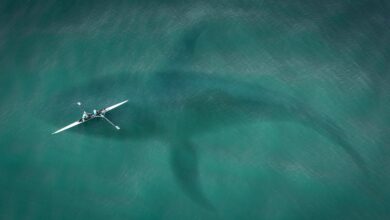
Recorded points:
(89,116)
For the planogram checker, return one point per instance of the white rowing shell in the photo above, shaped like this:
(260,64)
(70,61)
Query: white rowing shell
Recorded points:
(80,122)
(114,106)
(69,126)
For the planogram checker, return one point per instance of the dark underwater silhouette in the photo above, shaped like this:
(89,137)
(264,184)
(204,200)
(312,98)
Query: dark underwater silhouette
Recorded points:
(174,105)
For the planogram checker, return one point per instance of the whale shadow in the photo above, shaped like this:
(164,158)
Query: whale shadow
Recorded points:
(171,102)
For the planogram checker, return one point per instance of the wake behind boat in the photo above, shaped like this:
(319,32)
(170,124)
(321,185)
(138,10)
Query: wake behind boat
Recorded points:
(89,116)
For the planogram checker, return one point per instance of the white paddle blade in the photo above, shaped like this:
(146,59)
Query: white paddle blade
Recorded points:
(115,106)
(117,127)
(67,127)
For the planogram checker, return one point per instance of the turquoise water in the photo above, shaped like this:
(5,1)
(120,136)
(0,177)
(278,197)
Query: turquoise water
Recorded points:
(237,110)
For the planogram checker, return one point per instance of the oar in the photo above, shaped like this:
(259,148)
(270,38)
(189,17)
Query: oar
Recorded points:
(117,127)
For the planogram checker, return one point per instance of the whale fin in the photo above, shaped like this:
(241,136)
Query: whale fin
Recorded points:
(184,162)
(327,128)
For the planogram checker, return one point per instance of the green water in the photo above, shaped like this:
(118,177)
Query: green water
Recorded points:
(237,109)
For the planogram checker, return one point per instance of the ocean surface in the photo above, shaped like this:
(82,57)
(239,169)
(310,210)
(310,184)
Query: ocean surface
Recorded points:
(237,109)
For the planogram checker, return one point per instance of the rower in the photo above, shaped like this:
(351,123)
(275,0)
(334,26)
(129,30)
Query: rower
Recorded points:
(85,116)
(94,112)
